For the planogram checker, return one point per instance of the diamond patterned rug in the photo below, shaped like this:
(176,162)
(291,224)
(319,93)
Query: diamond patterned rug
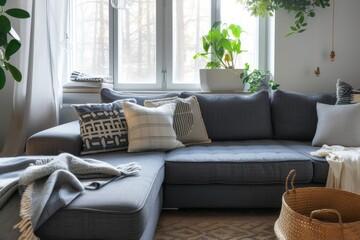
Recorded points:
(217,224)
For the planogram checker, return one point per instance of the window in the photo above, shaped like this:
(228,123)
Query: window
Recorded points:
(89,34)
(151,44)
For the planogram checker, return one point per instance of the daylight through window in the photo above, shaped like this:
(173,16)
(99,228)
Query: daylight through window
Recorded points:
(151,44)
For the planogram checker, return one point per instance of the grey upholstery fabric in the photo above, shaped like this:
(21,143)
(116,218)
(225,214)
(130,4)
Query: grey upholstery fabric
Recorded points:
(107,96)
(52,141)
(320,165)
(294,115)
(243,162)
(120,210)
(225,196)
(235,117)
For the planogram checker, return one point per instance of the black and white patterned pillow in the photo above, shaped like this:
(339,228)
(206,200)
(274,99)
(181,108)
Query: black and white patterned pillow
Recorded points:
(346,94)
(103,127)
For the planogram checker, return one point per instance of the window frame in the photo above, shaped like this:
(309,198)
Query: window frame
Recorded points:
(164,71)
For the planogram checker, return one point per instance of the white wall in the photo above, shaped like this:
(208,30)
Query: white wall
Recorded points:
(297,56)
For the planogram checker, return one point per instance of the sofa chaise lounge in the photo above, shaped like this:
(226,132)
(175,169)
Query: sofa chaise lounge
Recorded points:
(256,140)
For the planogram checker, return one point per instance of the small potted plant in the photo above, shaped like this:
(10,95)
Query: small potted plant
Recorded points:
(222,47)
(257,80)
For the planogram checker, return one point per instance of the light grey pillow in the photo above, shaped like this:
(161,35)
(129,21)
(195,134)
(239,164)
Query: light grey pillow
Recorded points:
(338,125)
(150,128)
(190,126)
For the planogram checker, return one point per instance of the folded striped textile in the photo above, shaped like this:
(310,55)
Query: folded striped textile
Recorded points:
(83,77)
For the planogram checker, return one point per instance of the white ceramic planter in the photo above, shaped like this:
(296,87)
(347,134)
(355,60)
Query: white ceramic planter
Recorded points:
(221,80)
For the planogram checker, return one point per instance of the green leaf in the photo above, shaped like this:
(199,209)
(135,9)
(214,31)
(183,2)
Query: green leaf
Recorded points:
(206,45)
(12,48)
(301,19)
(16,74)
(225,43)
(5,24)
(224,33)
(235,30)
(216,24)
(220,51)
(3,39)
(298,14)
(18,13)
(237,46)
(294,28)
(2,2)
(304,24)
(212,65)
(214,35)
(2,78)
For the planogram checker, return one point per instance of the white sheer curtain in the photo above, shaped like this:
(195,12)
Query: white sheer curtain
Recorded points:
(36,100)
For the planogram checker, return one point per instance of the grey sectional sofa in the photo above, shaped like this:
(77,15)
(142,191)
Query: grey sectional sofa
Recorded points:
(256,140)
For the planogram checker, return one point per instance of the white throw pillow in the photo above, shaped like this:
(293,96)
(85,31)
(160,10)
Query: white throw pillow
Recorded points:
(338,125)
(150,128)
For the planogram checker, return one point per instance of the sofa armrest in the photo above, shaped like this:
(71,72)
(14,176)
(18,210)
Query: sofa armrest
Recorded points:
(52,141)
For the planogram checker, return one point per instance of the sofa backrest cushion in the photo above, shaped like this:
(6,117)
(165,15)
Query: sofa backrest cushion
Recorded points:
(235,116)
(107,96)
(294,115)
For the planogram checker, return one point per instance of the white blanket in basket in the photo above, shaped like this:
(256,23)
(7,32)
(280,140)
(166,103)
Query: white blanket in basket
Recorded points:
(344,171)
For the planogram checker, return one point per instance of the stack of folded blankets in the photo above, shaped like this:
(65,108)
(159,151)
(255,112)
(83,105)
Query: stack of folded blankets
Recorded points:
(82,82)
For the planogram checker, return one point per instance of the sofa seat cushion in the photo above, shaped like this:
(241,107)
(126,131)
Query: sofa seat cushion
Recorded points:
(240,162)
(120,210)
(320,165)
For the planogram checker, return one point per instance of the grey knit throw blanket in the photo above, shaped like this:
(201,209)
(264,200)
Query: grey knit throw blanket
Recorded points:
(50,184)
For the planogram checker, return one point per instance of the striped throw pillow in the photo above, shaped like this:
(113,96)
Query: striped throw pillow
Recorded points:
(183,115)
(346,94)
(150,128)
(188,122)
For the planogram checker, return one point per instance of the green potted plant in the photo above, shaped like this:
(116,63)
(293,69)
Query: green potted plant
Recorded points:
(257,80)
(9,41)
(303,10)
(221,47)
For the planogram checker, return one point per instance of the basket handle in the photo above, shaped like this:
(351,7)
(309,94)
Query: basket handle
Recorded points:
(292,172)
(327,211)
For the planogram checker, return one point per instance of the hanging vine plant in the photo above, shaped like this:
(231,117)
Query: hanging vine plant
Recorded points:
(303,10)
(9,41)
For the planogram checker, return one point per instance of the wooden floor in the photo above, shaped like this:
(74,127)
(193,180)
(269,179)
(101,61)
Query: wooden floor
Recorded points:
(225,224)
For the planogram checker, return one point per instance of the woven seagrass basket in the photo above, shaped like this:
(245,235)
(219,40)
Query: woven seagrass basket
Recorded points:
(316,213)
